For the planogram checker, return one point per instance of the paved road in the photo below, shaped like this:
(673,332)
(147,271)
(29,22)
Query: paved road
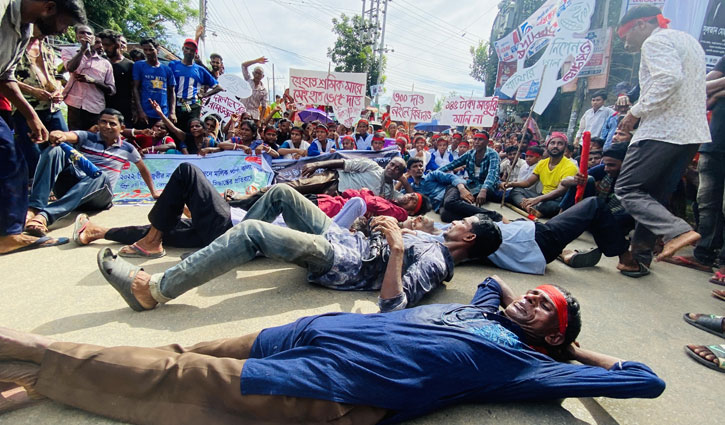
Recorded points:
(59,292)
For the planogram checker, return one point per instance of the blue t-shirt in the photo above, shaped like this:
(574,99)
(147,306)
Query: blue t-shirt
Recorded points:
(189,78)
(155,81)
(422,359)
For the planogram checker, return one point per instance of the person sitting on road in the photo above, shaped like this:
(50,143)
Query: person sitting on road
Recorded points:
(393,366)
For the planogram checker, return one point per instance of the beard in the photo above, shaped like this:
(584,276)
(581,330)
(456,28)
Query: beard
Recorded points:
(558,154)
(46,26)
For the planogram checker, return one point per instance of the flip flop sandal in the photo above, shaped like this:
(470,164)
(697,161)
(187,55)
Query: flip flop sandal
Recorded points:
(44,242)
(36,227)
(78,227)
(679,260)
(582,259)
(708,323)
(717,350)
(643,271)
(139,252)
(120,275)
(718,278)
(718,294)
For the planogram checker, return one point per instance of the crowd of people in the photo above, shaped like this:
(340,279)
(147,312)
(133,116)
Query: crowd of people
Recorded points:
(353,224)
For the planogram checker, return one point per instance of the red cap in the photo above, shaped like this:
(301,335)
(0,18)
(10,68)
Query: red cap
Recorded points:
(192,42)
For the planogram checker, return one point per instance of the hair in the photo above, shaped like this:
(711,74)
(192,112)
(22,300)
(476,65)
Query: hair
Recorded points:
(299,129)
(488,238)
(536,149)
(150,41)
(108,34)
(136,55)
(201,123)
(599,141)
(115,112)
(643,11)
(72,8)
(252,126)
(283,120)
(570,147)
(216,55)
(425,206)
(413,161)
(600,93)
(574,317)
(512,149)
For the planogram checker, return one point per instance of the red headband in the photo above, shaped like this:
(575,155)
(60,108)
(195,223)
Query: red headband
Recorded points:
(562,307)
(364,121)
(532,153)
(464,143)
(480,136)
(624,29)
(457,136)
(418,204)
(378,137)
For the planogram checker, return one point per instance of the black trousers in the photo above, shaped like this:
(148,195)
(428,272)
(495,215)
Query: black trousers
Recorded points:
(79,119)
(591,214)
(455,208)
(187,186)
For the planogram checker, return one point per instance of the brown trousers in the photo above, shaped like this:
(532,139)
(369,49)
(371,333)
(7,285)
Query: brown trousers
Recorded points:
(175,385)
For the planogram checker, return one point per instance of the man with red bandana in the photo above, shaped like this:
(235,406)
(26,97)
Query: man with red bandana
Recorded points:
(340,367)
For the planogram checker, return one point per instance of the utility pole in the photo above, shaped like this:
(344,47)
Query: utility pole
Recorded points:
(274,90)
(371,22)
(381,51)
(202,19)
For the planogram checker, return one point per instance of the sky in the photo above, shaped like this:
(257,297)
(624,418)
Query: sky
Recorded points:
(428,40)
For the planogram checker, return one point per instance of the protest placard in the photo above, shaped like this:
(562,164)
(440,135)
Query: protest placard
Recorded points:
(473,111)
(601,43)
(223,105)
(235,85)
(225,170)
(412,106)
(344,91)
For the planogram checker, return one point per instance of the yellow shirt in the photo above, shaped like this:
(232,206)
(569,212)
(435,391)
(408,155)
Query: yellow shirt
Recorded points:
(551,178)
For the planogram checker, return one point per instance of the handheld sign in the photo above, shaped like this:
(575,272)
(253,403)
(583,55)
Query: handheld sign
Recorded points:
(583,165)
(235,85)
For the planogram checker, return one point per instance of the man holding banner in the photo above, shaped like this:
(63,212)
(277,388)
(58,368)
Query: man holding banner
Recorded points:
(672,123)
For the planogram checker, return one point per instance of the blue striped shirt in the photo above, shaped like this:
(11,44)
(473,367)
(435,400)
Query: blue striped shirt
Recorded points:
(189,78)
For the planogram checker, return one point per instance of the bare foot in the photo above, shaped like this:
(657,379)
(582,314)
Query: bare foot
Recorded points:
(16,345)
(675,244)
(140,289)
(23,374)
(12,243)
(627,263)
(705,353)
(718,293)
(14,398)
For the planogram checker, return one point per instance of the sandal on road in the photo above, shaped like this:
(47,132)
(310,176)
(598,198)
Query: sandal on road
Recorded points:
(580,259)
(78,227)
(44,242)
(719,294)
(120,274)
(689,262)
(135,251)
(640,272)
(717,350)
(37,226)
(718,278)
(707,322)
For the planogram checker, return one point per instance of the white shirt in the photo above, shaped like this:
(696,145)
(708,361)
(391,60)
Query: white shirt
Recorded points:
(426,156)
(14,37)
(672,77)
(594,121)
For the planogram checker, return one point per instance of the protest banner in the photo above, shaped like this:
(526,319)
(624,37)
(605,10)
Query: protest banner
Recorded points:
(411,106)
(222,105)
(601,43)
(572,18)
(225,170)
(474,111)
(344,91)
(235,85)
(290,169)
(506,47)
(712,37)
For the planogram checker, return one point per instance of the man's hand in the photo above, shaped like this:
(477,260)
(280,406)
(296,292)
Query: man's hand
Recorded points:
(57,96)
(529,203)
(622,100)
(575,180)
(41,94)
(466,194)
(388,226)
(261,60)
(309,169)
(172,117)
(155,194)
(38,132)
(56,137)
(481,198)
(156,106)
(85,79)
(628,122)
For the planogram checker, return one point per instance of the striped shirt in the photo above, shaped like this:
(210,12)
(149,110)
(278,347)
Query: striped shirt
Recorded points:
(483,176)
(111,160)
(189,79)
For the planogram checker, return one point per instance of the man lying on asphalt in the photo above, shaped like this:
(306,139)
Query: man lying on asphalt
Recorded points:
(339,367)
(403,267)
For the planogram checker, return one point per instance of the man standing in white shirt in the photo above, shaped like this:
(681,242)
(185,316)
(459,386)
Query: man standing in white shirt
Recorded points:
(594,119)
(672,123)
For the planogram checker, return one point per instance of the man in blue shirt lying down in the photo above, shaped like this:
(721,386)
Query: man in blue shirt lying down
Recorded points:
(339,367)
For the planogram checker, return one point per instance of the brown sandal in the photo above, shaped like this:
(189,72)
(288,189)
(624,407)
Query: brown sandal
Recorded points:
(37,226)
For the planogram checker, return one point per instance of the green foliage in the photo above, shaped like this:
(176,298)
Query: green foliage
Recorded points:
(138,19)
(353,49)
(479,56)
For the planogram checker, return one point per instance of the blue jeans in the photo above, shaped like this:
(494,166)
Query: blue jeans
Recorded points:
(711,207)
(72,187)
(301,243)
(13,183)
(31,150)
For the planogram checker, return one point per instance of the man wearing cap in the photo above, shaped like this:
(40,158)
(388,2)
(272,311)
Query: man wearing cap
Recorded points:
(482,165)
(672,123)
(363,140)
(550,172)
(90,81)
(190,79)
(388,367)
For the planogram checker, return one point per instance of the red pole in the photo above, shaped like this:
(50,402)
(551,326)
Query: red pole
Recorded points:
(584,165)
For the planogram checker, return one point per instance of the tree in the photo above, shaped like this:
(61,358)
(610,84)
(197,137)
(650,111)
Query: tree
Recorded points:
(353,49)
(479,56)
(138,19)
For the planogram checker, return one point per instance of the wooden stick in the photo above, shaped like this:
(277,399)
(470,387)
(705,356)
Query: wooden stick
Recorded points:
(519,211)
(523,136)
